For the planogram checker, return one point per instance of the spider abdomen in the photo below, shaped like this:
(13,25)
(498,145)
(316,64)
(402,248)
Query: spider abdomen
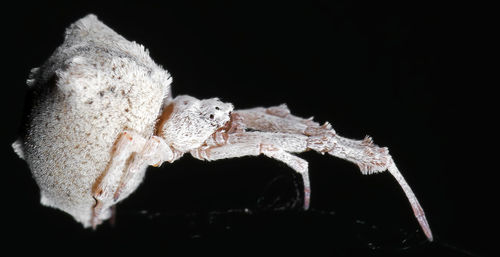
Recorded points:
(95,85)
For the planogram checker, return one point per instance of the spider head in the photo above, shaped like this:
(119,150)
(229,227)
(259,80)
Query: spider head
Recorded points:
(188,122)
(215,113)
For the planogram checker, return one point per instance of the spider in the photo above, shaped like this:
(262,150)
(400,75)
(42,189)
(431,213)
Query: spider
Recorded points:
(102,112)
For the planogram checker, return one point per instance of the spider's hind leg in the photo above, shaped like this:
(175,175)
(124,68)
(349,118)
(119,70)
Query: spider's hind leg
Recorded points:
(105,186)
(131,155)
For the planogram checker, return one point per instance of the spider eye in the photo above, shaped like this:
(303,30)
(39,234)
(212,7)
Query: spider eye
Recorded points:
(211,116)
(217,108)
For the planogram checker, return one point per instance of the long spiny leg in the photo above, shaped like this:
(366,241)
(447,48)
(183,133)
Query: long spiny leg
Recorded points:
(274,145)
(369,157)
(294,162)
(417,209)
(273,119)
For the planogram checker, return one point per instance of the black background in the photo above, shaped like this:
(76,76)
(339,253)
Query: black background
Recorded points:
(383,69)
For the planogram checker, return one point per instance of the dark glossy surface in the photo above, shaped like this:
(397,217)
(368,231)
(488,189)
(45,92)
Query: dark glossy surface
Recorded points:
(379,69)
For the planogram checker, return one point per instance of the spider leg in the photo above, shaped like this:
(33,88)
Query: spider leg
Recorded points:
(274,145)
(154,152)
(273,119)
(127,143)
(369,157)
(296,163)
(131,155)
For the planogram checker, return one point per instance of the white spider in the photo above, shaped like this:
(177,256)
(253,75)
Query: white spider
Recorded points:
(102,112)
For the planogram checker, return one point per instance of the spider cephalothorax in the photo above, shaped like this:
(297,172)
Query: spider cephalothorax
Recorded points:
(189,122)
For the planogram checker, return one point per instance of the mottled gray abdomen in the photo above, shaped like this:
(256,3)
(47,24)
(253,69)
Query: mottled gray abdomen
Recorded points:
(94,86)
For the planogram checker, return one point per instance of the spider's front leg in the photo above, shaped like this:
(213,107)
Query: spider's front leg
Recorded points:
(321,138)
(276,128)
